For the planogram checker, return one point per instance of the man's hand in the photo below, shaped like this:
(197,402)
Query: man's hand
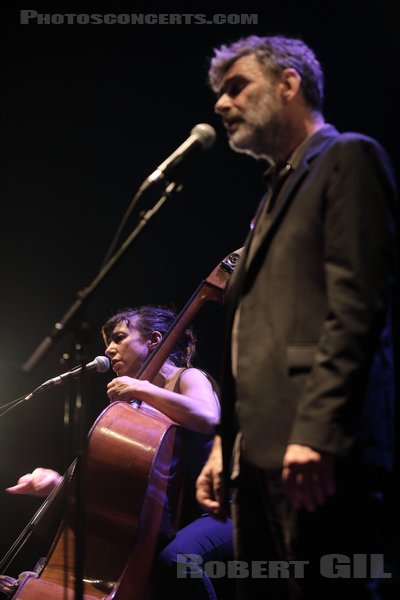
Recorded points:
(308,476)
(38,483)
(209,486)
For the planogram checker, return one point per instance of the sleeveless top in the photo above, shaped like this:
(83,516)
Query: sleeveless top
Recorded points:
(197,449)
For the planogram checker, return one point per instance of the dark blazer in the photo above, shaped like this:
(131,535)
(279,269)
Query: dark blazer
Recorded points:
(315,363)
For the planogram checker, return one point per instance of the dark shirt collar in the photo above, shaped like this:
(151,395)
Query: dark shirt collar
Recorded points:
(275,171)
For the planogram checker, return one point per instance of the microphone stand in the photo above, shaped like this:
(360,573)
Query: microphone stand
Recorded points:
(80,443)
(79,408)
(83,295)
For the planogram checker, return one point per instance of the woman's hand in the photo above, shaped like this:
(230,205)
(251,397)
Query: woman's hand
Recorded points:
(41,482)
(125,388)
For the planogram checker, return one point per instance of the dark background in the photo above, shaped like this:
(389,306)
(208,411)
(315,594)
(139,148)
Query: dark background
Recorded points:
(87,112)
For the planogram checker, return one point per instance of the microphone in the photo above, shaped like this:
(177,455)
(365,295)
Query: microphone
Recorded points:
(100,364)
(201,137)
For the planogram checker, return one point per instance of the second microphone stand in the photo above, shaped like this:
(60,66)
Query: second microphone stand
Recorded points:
(79,419)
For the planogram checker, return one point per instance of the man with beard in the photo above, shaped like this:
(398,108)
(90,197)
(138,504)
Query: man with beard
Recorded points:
(308,390)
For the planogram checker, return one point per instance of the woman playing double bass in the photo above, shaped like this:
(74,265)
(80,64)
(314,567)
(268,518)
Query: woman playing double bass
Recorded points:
(187,396)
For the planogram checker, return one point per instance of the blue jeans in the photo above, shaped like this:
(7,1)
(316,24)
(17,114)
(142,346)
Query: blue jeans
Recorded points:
(179,571)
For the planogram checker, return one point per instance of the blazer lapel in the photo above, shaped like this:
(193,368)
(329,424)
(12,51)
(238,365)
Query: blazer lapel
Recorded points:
(282,200)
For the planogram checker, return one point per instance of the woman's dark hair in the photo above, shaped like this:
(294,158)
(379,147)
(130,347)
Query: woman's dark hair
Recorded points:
(146,319)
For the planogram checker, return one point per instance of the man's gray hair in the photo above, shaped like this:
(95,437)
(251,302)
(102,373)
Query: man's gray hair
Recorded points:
(274,53)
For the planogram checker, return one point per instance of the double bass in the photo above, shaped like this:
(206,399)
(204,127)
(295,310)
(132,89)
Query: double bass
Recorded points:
(133,477)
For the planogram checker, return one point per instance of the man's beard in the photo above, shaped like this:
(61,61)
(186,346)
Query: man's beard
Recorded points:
(262,132)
